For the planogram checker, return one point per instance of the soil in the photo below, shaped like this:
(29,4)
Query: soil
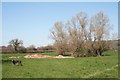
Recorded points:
(14,57)
(45,56)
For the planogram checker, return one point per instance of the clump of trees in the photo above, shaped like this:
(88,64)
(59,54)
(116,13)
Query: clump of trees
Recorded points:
(16,46)
(82,36)
(31,49)
(48,48)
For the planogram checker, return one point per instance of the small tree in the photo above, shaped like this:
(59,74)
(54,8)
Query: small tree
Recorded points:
(16,44)
(31,48)
(22,49)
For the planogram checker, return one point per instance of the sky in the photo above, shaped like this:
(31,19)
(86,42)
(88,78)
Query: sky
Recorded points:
(32,21)
(60,0)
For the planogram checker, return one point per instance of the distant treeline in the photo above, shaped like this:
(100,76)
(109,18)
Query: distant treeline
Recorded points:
(30,49)
(49,48)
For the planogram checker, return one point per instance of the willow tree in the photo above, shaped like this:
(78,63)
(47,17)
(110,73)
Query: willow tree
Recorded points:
(58,34)
(77,33)
(100,31)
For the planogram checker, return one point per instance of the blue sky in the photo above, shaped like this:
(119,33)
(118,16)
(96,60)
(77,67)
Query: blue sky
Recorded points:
(31,21)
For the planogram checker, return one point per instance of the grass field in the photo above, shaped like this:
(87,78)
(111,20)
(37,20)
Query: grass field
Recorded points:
(83,67)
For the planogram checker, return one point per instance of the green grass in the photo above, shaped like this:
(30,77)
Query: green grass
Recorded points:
(83,67)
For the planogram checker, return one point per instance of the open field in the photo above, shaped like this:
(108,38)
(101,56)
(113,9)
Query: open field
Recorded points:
(83,67)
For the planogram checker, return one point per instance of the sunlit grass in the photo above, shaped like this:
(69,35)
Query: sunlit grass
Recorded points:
(83,67)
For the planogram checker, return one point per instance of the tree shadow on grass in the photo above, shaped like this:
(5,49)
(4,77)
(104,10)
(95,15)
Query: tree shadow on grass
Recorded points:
(67,55)
(5,61)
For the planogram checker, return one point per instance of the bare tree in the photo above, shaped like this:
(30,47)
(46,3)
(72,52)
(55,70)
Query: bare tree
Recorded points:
(22,49)
(100,27)
(16,44)
(31,48)
(58,34)
(79,37)
(77,33)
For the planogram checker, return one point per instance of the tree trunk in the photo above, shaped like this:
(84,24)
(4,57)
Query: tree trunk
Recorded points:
(61,53)
(16,49)
(100,52)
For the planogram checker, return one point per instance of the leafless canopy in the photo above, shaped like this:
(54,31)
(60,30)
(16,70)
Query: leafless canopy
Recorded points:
(16,44)
(81,34)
